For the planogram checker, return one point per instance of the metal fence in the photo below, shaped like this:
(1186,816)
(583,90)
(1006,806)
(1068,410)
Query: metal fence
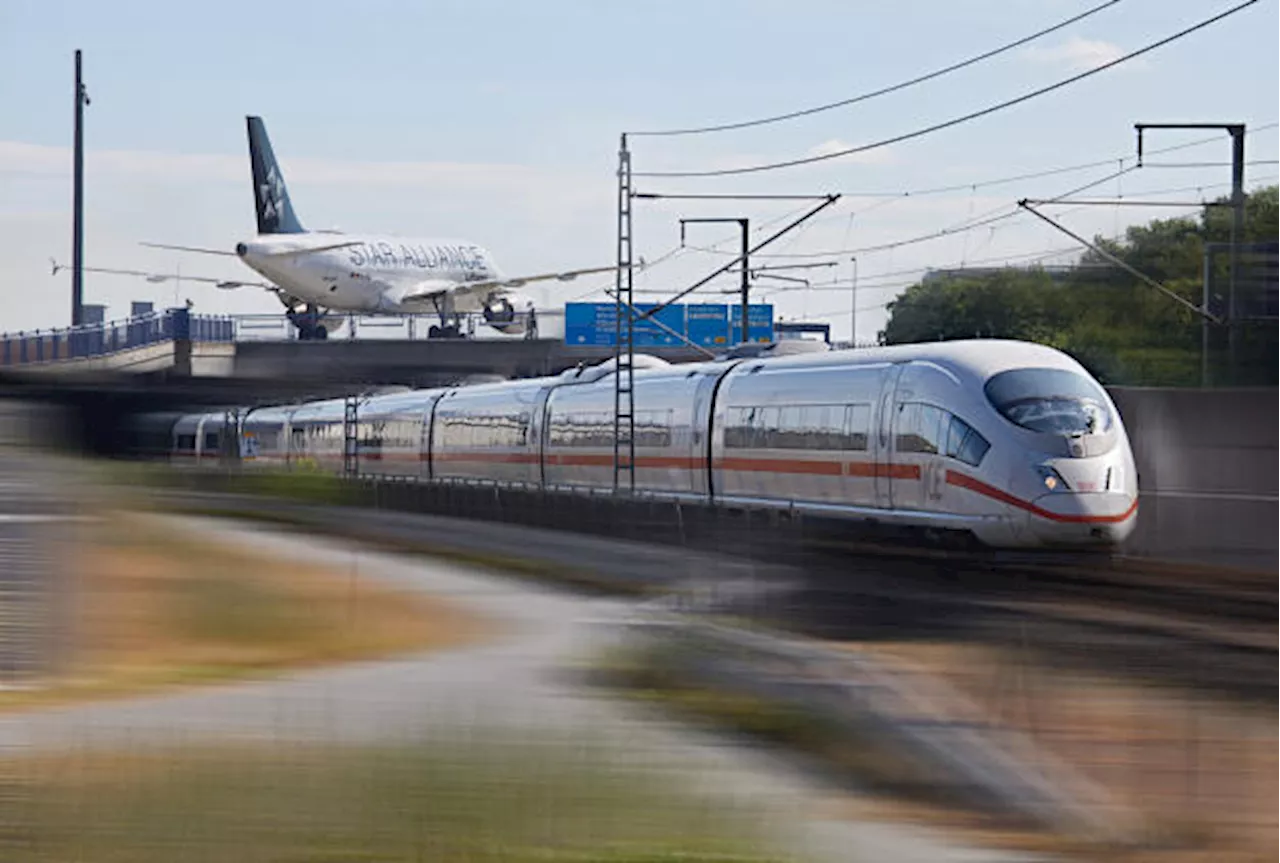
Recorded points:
(95,340)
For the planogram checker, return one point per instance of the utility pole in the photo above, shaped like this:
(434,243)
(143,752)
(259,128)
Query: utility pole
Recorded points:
(1237,231)
(745,226)
(746,281)
(77,207)
(624,357)
(853,306)
(1237,133)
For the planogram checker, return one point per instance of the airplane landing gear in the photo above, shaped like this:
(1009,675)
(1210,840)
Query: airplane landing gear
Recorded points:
(306,319)
(450,324)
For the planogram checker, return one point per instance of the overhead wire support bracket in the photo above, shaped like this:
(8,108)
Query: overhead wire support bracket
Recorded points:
(744,256)
(660,196)
(1125,202)
(1138,274)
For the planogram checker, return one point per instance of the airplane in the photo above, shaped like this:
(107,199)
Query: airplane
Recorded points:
(315,273)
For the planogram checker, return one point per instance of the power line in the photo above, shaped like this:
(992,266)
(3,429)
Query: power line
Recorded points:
(1002,213)
(884,91)
(956,121)
(895,197)
(881,305)
(988,217)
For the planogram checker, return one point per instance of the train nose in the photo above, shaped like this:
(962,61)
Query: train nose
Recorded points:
(1085,517)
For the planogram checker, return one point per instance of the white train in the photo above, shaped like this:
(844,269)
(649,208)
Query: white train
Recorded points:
(1011,442)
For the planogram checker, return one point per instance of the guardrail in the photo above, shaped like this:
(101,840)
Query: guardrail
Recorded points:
(277,327)
(94,340)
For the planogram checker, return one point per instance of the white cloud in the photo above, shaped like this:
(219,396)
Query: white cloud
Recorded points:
(878,156)
(1077,54)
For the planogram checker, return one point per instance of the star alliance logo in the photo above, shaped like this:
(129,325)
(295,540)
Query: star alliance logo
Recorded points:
(272,193)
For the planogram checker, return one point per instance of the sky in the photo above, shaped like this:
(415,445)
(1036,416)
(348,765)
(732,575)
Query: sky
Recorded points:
(499,122)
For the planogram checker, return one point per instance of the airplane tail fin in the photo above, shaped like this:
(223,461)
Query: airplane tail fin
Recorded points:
(275,213)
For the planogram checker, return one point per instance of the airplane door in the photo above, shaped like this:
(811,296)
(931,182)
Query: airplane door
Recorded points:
(883,439)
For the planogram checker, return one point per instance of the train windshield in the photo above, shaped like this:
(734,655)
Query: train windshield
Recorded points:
(1056,401)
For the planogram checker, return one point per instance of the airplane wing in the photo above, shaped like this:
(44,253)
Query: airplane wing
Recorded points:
(196,249)
(329,247)
(224,284)
(436,287)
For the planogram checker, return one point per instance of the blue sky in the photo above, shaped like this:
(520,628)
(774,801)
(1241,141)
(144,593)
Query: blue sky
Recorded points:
(499,121)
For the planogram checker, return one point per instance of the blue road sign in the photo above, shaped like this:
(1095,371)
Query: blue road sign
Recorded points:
(708,325)
(759,323)
(596,324)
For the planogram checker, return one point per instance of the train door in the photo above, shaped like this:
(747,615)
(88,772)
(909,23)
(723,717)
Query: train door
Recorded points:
(701,431)
(882,442)
(539,432)
(918,440)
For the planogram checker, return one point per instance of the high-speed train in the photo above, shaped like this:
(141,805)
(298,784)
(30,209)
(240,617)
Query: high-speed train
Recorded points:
(1011,442)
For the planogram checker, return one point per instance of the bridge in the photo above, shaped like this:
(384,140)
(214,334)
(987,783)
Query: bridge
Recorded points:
(176,344)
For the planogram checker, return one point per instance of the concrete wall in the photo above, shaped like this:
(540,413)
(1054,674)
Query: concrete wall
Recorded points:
(1207,472)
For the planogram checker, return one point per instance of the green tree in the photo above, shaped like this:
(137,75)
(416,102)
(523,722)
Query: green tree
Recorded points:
(1125,331)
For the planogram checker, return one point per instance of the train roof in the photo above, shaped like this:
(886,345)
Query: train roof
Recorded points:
(980,358)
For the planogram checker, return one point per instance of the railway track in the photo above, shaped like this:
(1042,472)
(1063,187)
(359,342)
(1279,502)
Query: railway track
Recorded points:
(1191,627)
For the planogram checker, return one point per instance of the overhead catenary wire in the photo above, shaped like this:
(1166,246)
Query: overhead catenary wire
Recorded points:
(1119,262)
(964,118)
(894,197)
(837,312)
(987,217)
(1066,169)
(883,91)
(1001,213)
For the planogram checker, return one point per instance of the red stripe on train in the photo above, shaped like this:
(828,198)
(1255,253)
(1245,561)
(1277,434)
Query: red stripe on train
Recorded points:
(962,480)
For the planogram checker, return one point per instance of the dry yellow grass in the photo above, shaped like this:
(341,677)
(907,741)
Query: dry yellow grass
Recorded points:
(156,609)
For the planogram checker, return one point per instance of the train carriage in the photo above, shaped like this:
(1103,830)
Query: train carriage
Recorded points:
(1013,443)
(264,436)
(394,436)
(487,432)
(317,436)
(671,449)
(197,439)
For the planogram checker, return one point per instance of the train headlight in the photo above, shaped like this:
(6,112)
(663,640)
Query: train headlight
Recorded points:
(1052,480)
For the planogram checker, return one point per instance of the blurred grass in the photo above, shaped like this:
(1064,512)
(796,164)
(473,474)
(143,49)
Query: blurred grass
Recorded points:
(484,802)
(158,608)
(133,481)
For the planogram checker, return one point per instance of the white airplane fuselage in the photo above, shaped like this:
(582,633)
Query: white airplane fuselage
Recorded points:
(373,274)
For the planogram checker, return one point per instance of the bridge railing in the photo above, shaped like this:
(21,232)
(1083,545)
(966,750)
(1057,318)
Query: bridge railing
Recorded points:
(276,327)
(95,340)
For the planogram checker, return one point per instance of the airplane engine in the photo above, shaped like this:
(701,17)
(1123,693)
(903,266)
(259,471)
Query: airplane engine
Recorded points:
(509,313)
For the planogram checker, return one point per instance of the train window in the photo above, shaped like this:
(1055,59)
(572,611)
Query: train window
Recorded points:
(974,448)
(187,441)
(857,422)
(653,429)
(737,428)
(210,442)
(964,443)
(810,427)
(920,428)
(1058,401)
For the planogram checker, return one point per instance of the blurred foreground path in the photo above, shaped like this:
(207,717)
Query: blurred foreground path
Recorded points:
(520,685)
